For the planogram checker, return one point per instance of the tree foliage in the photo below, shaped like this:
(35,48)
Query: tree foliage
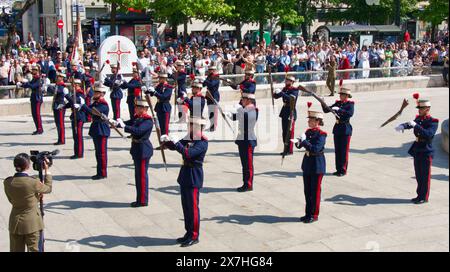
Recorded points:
(436,12)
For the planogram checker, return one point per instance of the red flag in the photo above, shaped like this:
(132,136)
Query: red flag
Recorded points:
(416,96)
(341,82)
(309,104)
(243,65)
(108,62)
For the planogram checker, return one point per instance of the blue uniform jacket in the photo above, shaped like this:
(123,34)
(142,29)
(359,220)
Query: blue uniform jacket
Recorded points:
(75,75)
(140,130)
(212,83)
(196,105)
(88,83)
(248,86)
(163,93)
(110,81)
(59,95)
(180,77)
(424,130)
(98,127)
(81,115)
(35,86)
(132,85)
(314,159)
(193,153)
(345,112)
(286,93)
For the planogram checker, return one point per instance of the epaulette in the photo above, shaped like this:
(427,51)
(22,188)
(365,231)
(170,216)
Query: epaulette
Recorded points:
(322,132)
(434,120)
(146,117)
(102,101)
(167,85)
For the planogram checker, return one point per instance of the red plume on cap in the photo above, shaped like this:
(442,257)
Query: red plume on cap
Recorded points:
(243,65)
(341,82)
(192,76)
(309,104)
(286,69)
(158,69)
(108,62)
(416,96)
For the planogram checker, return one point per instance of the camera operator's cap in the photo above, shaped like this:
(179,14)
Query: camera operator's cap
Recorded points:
(141,103)
(163,75)
(291,78)
(197,85)
(423,103)
(248,95)
(197,121)
(77,81)
(345,91)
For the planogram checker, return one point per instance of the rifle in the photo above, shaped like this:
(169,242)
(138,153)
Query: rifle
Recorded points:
(105,119)
(287,139)
(175,93)
(209,95)
(322,102)
(157,126)
(75,119)
(41,208)
(393,118)
(271,85)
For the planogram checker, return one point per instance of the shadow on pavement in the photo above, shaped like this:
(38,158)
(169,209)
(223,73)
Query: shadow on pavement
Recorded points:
(279,174)
(440,177)
(248,219)
(175,190)
(68,178)
(358,201)
(110,241)
(73,205)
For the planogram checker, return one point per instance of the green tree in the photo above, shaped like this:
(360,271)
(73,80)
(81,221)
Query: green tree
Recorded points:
(435,13)
(177,12)
(358,11)
(11,22)
(123,5)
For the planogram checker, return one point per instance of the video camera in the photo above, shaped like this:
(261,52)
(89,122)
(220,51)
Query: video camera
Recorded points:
(38,158)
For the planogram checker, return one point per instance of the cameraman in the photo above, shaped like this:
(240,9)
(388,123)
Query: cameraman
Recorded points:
(23,192)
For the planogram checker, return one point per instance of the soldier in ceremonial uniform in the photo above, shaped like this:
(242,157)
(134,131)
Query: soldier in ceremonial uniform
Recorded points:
(23,192)
(163,92)
(181,76)
(193,149)
(36,98)
(99,131)
(88,81)
(73,73)
(342,130)
(195,104)
(248,85)
(59,110)
(114,82)
(140,128)
(247,116)
(134,92)
(289,92)
(212,83)
(313,166)
(77,129)
(424,127)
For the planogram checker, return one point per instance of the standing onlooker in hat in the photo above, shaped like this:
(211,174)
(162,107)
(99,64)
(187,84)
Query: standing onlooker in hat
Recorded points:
(141,150)
(313,165)
(193,150)
(288,94)
(422,150)
(163,92)
(342,130)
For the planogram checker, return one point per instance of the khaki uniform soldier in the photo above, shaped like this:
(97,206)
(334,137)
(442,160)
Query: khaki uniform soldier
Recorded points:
(331,79)
(23,192)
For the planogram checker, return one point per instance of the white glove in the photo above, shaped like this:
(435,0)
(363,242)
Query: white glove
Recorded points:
(412,123)
(400,128)
(82,102)
(303,137)
(295,141)
(174,139)
(229,115)
(144,89)
(180,100)
(121,122)
(278,91)
(77,106)
(113,122)
(184,95)
(335,108)
(118,82)
(151,90)
(165,138)
(65,91)
(25,81)
(18,84)
(60,106)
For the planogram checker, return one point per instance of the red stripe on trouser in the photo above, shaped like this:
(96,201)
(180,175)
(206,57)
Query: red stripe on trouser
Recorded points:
(347,151)
(143,182)
(195,210)
(80,139)
(38,116)
(429,180)
(167,123)
(291,144)
(318,192)
(103,155)
(62,129)
(250,167)
(117,108)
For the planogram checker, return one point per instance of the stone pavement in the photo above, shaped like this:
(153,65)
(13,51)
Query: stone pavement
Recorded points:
(368,210)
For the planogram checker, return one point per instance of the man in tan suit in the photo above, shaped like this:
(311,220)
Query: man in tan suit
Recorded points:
(331,79)
(23,192)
